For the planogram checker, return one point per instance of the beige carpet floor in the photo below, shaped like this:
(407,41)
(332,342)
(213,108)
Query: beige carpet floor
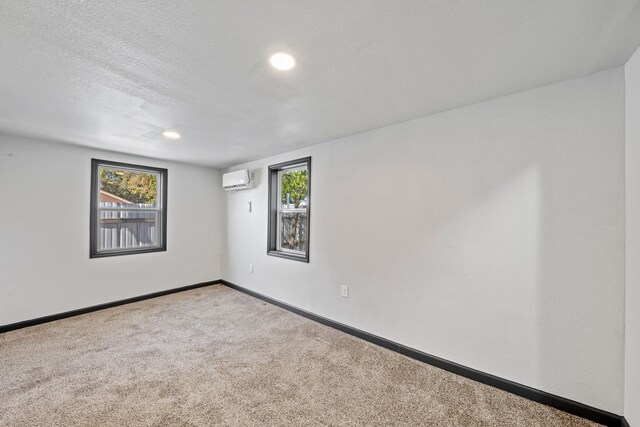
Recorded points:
(215,356)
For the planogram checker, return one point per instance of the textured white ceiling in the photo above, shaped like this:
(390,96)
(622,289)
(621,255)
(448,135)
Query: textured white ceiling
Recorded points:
(114,74)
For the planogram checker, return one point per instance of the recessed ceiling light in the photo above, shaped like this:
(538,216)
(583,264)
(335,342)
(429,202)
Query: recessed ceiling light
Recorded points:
(282,61)
(171,134)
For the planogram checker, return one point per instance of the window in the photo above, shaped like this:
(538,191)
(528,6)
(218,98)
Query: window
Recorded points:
(128,209)
(289,202)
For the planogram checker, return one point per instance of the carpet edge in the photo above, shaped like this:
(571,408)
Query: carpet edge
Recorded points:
(59,316)
(563,404)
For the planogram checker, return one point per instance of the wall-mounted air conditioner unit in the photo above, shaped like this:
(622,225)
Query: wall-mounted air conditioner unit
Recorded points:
(238,180)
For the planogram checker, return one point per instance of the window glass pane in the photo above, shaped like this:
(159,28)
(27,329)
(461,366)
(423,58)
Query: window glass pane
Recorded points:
(123,229)
(120,187)
(289,205)
(294,188)
(292,220)
(293,231)
(128,209)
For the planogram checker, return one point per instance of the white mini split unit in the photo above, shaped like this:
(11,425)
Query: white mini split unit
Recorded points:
(238,180)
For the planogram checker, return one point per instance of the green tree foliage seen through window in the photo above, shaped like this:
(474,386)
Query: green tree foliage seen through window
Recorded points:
(294,184)
(294,191)
(132,186)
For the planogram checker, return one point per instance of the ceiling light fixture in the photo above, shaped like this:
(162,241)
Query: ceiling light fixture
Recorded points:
(282,61)
(171,134)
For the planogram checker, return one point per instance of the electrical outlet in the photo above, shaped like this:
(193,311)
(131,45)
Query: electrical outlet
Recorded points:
(345,291)
(250,268)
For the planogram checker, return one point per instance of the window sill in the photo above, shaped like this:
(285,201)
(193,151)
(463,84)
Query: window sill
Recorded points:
(280,254)
(129,252)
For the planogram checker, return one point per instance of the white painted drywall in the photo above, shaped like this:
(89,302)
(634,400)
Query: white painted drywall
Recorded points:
(44,232)
(632,331)
(490,235)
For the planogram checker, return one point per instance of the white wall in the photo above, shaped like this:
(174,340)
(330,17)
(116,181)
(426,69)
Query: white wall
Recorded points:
(44,232)
(632,338)
(490,235)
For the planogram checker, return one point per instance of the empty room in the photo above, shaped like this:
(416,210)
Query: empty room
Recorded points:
(320,213)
